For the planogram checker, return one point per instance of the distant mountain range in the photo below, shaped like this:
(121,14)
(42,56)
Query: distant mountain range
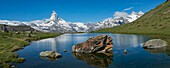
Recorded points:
(156,21)
(56,24)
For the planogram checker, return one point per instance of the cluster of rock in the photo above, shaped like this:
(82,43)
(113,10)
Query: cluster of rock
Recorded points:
(101,46)
(98,44)
(50,54)
(155,43)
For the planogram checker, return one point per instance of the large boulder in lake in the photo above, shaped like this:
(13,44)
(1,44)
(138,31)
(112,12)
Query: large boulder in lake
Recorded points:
(155,43)
(98,44)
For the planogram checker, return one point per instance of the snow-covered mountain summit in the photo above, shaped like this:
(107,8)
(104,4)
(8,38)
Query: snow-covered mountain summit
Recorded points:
(54,16)
(53,24)
(118,20)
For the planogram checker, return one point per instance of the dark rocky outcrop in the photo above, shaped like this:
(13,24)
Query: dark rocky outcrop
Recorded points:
(100,60)
(98,44)
(7,28)
(155,43)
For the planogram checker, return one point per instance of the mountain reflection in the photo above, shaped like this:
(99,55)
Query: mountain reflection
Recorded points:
(120,41)
(123,41)
(50,44)
(98,60)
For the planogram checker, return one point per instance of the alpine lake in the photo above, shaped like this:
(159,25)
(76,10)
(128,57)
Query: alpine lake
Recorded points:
(136,56)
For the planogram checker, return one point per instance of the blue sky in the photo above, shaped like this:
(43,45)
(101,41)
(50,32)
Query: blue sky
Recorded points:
(71,10)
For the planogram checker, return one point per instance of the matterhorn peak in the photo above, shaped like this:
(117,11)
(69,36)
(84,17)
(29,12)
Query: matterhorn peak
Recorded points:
(54,16)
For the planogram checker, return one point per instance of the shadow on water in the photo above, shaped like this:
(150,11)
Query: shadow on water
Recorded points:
(98,60)
(165,50)
(157,50)
(51,59)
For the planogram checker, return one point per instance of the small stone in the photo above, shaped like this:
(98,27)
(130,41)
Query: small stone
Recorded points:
(13,66)
(20,60)
(65,50)
(50,54)
(125,51)
(58,55)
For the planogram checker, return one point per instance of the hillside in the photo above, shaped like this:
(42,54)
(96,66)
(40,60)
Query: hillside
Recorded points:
(156,21)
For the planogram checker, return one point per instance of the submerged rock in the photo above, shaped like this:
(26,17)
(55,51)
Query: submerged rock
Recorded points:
(65,50)
(155,43)
(16,48)
(50,54)
(12,66)
(98,44)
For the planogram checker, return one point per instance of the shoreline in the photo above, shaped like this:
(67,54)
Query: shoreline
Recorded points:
(12,42)
(32,41)
(138,33)
(47,35)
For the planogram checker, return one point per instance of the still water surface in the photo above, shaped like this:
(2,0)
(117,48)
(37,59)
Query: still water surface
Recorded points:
(137,57)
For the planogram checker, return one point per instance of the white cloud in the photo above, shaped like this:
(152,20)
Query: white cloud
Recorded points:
(128,9)
(120,14)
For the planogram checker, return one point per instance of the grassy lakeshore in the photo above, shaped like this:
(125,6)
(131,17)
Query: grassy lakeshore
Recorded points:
(12,41)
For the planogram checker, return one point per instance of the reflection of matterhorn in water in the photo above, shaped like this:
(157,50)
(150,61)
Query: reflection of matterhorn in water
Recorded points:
(50,44)
(53,44)
(120,41)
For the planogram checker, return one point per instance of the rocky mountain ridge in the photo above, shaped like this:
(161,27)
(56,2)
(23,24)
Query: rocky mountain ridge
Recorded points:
(56,24)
